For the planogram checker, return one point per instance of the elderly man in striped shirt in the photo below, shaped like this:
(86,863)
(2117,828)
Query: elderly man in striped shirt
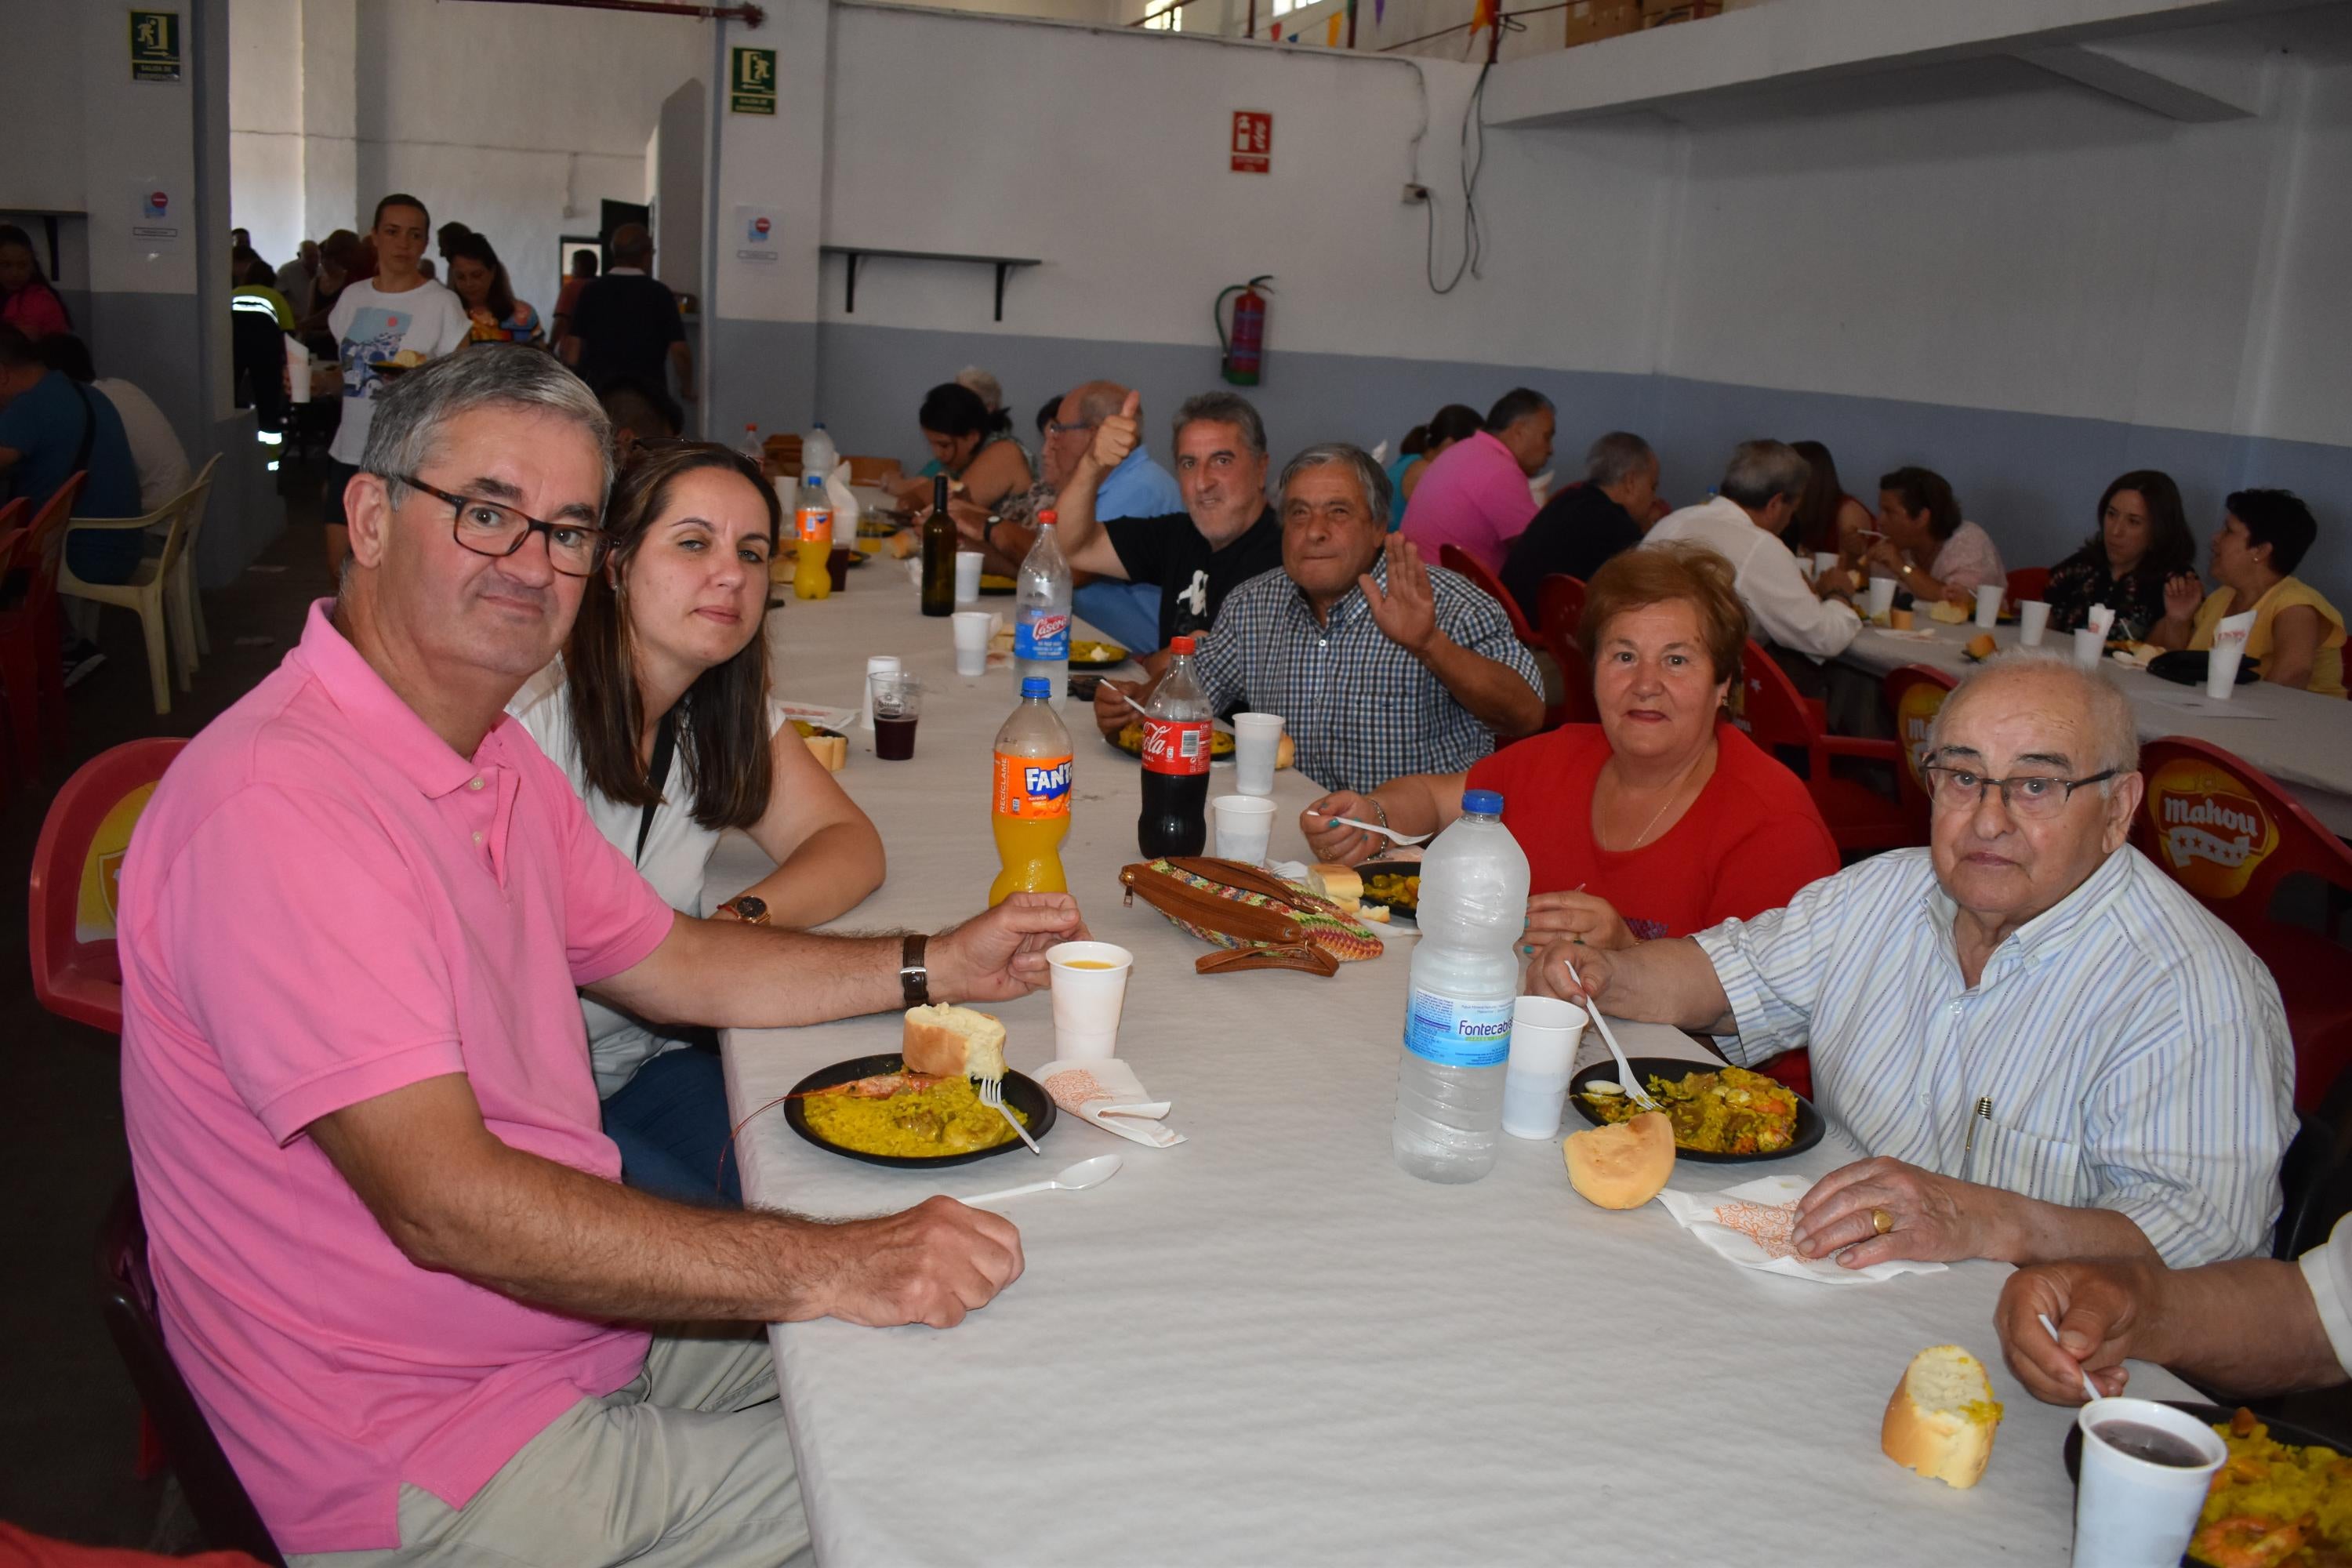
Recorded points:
(2049,1048)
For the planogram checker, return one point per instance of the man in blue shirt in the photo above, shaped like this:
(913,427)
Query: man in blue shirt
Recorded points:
(1138,487)
(51,426)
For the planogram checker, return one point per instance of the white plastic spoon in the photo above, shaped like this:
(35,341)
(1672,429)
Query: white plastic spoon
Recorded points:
(2090,1389)
(1075,1178)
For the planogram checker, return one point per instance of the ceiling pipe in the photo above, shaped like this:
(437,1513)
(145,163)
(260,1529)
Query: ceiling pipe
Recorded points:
(750,16)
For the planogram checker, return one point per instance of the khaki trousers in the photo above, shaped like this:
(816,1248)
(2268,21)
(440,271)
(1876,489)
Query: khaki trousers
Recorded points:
(688,1465)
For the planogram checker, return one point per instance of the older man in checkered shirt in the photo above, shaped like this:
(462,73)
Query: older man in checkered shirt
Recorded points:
(1379,665)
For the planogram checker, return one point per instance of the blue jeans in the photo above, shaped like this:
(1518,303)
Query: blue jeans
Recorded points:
(1127,612)
(670,1124)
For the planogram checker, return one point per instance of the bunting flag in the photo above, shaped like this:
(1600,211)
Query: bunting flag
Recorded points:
(1331,33)
(1483,17)
(1278,32)
(1380,12)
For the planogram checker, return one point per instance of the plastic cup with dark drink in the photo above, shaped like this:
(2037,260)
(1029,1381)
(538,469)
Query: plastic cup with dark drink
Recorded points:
(2146,1467)
(836,566)
(897,703)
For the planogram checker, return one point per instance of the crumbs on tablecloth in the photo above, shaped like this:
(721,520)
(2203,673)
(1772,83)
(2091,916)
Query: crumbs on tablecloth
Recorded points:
(1766,1224)
(1074,1088)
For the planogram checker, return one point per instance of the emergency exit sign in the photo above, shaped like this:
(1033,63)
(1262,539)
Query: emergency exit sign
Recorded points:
(154,46)
(751,86)
(1253,141)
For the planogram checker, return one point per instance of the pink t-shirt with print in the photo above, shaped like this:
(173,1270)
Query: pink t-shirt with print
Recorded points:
(323,903)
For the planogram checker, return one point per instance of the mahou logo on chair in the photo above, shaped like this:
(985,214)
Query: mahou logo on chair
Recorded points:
(2212,833)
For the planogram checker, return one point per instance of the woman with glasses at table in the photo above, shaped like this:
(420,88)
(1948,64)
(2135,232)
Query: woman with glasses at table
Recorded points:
(659,713)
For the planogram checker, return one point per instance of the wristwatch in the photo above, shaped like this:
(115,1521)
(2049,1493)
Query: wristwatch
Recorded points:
(914,977)
(751,911)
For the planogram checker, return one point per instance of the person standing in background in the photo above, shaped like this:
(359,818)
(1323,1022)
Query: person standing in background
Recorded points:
(29,303)
(479,280)
(294,278)
(398,311)
(584,272)
(627,326)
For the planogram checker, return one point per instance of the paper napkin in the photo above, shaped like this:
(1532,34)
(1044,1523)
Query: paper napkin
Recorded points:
(1749,1224)
(1109,1095)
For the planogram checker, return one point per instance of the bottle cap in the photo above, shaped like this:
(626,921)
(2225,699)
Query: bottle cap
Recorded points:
(1036,685)
(1047,518)
(1483,802)
(1180,644)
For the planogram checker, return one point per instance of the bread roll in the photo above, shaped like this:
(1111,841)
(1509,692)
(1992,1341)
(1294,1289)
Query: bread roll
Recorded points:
(1950,613)
(1982,646)
(1941,1419)
(954,1042)
(1284,750)
(829,749)
(1343,885)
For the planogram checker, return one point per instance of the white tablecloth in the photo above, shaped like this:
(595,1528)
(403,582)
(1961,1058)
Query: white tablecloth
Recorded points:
(2301,740)
(1268,1344)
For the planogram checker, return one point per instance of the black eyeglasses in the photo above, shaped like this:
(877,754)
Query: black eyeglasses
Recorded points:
(2026,795)
(485,528)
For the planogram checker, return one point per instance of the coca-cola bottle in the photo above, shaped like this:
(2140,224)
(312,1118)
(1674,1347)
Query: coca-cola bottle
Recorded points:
(1176,731)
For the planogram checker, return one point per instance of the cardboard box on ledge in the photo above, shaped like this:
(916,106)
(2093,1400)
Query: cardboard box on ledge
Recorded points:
(1589,21)
(1660,13)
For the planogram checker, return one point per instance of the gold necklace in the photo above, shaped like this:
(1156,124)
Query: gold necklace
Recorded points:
(1672,795)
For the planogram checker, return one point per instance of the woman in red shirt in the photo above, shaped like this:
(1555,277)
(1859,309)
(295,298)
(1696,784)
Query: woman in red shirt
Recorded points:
(1661,820)
(27,301)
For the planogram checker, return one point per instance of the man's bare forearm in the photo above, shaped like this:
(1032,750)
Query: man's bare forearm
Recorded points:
(1668,982)
(2198,1328)
(1497,695)
(731,975)
(2027,1230)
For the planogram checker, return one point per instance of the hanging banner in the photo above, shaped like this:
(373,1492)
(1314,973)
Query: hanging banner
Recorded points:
(1253,140)
(154,46)
(751,84)
(1331,33)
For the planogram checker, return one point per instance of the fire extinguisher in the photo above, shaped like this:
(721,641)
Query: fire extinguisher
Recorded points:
(1246,348)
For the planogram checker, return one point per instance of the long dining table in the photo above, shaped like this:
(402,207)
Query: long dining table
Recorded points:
(2299,738)
(1268,1344)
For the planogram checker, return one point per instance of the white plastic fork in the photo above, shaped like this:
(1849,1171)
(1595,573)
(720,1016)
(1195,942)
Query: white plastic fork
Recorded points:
(992,1095)
(1625,1078)
(1407,840)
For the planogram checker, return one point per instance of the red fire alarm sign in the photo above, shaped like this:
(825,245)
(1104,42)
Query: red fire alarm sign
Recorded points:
(1253,141)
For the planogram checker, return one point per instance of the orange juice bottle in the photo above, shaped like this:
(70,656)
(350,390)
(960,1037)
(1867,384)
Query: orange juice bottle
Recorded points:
(1029,800)
(813,534)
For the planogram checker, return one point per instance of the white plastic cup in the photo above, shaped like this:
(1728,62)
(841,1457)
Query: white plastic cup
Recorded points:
(297,370)
(1824,562)
(2130,1512)
(970,629)
(1545,1032)
(1245,824)
(2229,649)
(1988,599)
(2033,620)
(1805,567)
(967,583)
(1257,744)
(1882,597)
(874,667)
(2090,647)
(1089,982)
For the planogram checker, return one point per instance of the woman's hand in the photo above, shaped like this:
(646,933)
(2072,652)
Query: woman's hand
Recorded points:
(1335,842)
(1577,917)
(1887,554)
(2182,595)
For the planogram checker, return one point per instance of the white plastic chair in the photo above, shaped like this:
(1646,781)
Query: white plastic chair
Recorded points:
(149,589)
(184,598)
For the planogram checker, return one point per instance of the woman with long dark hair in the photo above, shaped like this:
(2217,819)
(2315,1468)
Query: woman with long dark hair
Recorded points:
(1827,518)
(29,302)
(479,280)
(660,714)
(974,448)
(2143,542)
(1454,423)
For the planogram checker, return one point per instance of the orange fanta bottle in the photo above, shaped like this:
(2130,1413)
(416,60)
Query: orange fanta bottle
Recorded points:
(1029,799)
(813,537)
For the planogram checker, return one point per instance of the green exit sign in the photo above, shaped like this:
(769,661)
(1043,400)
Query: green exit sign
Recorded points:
(154,46)
(753,84)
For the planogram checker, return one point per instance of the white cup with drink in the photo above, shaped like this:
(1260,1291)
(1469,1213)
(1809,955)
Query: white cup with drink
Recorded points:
(2144,1473)
(1882,597)
(2033,621)
(967,579)
(1245,827)
(1825,561)
(1257,747)
(970,629)
(298,369)
(2090,647)
(2230,636)
(1544,1031)
(879,664)
(1090,981)
(1988,599)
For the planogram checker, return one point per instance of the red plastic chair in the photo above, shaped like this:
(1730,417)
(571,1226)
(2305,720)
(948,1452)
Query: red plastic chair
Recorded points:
(1779,719)
(1453,558)
(1561,614)
(13,535)
(31,671)
(2225,831)
(1915,694)
(75,866)
(2028,583)
(1559,593)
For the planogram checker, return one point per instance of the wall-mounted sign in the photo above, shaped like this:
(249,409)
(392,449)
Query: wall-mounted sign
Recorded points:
(752,86)
(156,221)
(757,231)
(1253,141)
(154,46)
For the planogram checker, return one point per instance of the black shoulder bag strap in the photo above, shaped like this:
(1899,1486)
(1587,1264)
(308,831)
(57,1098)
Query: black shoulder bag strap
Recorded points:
(657,775)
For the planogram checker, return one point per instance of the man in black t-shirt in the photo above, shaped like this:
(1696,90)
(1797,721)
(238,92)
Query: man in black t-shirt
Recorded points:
(1225,535)
(1585,524)
(627,326)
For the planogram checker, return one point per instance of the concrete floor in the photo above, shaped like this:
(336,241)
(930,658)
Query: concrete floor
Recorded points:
(68,1424)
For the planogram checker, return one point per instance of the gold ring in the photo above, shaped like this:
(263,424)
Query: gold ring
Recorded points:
(1881,1221)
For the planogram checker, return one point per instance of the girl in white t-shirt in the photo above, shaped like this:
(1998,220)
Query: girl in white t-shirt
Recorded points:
(669,640)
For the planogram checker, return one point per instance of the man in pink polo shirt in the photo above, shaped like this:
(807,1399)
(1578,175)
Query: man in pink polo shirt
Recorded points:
(391,1254)
(1474,493)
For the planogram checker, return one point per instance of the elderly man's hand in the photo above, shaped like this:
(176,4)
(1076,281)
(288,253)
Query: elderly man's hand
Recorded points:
(1406,610)
(1336,842)
(930,1264)
(1111,712)
(999,955)
(1548,975)
(2096,1306)
(1931,1218)
(1118,433)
